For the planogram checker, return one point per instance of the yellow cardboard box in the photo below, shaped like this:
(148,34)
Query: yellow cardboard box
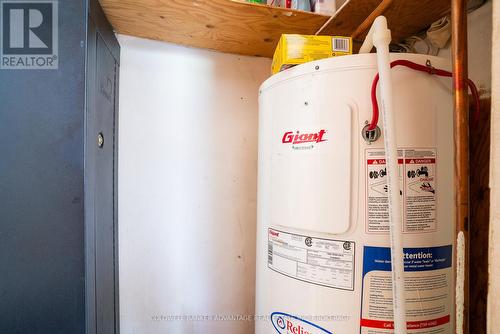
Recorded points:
(295,49)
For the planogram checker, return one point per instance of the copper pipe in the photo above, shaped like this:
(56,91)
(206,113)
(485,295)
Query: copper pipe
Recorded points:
(461,168)
(380,10)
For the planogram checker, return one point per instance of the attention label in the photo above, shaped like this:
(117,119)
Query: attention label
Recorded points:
(319,261)
(417,188)
(428,290)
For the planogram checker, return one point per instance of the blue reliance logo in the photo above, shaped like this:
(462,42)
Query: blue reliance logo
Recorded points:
(289,324)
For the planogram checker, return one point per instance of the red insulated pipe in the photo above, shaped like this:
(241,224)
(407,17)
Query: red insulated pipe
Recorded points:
(421,68)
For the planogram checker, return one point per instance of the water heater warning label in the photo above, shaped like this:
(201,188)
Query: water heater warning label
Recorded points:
(319,261)
(428,290)
(417,187)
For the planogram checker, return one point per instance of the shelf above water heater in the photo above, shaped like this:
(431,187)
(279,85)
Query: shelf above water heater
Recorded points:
(252,29)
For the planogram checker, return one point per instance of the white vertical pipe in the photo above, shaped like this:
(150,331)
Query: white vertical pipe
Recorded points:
(380,37)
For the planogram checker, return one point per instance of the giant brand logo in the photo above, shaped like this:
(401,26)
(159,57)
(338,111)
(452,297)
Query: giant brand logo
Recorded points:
(296,137)
(289,324)
(274,233)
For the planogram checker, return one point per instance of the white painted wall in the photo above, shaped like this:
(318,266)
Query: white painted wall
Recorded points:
(187,186)
(494,242)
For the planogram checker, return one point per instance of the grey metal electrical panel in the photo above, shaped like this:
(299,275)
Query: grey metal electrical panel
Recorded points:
(59,67)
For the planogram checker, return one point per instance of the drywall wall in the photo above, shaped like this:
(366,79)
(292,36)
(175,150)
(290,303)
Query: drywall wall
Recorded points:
(494,242)
(187,188)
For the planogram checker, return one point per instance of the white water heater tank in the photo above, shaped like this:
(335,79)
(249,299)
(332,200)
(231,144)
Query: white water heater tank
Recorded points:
(323,256)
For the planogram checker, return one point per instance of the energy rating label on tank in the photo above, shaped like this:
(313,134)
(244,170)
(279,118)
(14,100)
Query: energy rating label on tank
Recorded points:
(428,290)
(319,261)
(417,188)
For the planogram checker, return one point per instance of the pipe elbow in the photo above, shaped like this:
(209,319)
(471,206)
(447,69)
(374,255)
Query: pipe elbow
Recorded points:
(378,35)
(381,34)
